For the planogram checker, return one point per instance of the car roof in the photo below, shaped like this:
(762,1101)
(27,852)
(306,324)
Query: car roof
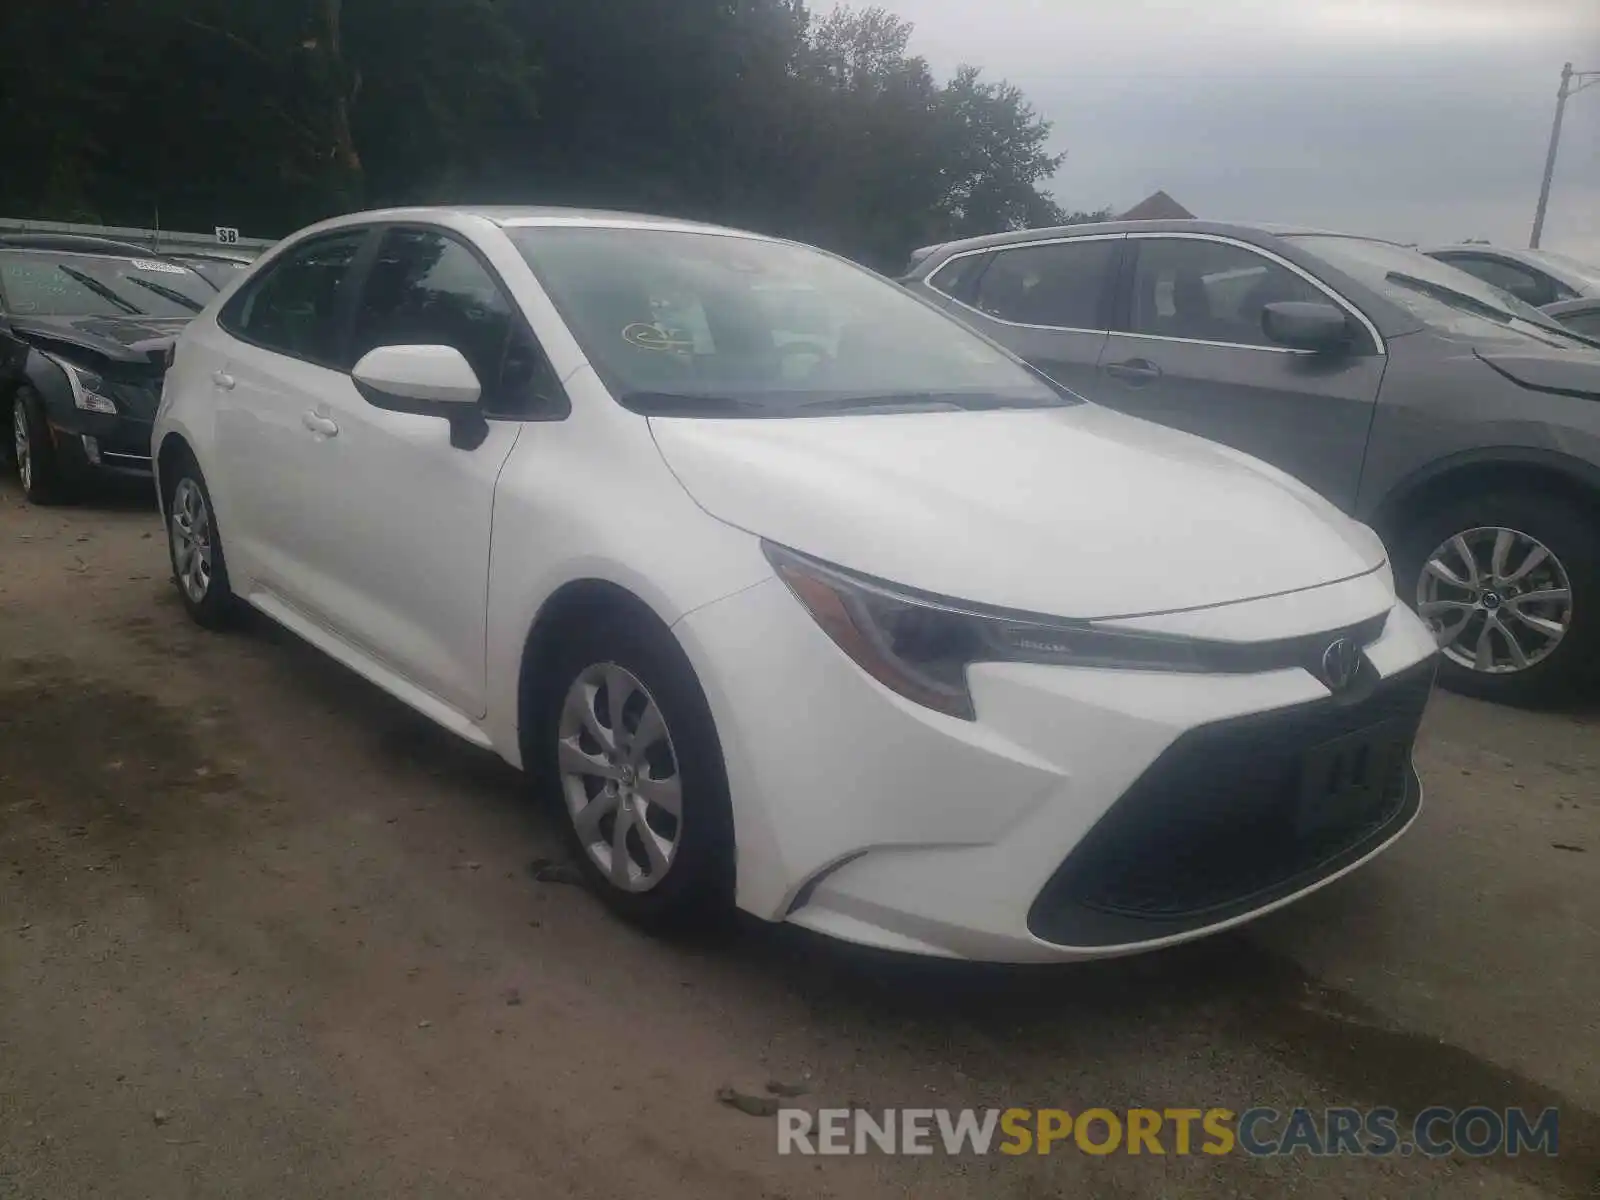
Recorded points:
(210,256)
(71,243)
(1477,248)
(526,216)
(1249,231)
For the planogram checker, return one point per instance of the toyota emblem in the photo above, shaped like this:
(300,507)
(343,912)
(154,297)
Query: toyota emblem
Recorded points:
(1340,662)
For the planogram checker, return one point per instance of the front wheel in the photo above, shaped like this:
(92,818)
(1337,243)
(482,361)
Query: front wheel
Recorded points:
(628,740)
(1510,585)
(194,545)
(33,451)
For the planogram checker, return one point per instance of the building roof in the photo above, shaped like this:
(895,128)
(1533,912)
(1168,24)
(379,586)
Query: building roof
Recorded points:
(1158,206)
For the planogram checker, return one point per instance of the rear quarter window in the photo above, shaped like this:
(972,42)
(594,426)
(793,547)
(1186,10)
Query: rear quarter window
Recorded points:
(958,278)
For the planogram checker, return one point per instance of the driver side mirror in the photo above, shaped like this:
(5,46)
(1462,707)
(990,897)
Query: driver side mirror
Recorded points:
(1306,325)
(430,381)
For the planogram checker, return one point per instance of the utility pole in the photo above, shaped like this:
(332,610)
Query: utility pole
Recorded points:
(1572,82)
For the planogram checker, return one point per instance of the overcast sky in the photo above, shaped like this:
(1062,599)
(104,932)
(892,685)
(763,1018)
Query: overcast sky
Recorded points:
(1421,120)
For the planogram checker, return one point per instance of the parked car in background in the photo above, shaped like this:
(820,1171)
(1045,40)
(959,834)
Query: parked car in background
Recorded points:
(1459,422)
(215,268)
(1536,277)
(1580,316)
(85,325)
(795,592)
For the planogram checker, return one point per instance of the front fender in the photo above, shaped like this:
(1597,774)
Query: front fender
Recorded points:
(1387,507)
(49,382)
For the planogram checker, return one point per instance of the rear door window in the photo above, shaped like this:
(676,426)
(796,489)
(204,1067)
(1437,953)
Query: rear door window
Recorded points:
(1062,285)
(958,278)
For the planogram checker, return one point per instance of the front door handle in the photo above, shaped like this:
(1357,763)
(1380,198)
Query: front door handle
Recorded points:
(319,424)
(1136,371)
(223,380)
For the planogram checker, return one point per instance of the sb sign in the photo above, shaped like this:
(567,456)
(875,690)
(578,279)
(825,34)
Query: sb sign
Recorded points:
(227,236)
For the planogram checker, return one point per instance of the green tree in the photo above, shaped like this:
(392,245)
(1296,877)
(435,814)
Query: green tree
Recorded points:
(268,114)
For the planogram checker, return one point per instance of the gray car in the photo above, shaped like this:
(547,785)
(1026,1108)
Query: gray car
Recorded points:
(1537,277)
(1460,423)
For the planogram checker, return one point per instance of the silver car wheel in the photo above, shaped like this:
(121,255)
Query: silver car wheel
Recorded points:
(22,444)
(1497,599)
(619,777)
(190,531)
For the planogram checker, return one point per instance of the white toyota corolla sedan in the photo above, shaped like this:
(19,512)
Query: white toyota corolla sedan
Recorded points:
(796,592)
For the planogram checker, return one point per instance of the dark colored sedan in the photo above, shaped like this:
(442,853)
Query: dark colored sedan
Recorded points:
(1461,423)
(85,326)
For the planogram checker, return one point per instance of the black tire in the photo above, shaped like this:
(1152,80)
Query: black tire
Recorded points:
(41,477)
(1572,536)
(696,889)
(215,607)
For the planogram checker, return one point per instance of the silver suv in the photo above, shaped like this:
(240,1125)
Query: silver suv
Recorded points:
(1461,423)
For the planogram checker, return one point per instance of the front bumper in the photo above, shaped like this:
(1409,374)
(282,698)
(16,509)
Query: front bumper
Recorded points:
(89,445)
(1085,813)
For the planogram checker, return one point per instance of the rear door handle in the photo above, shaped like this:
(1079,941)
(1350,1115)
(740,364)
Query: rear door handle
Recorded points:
(317,423)
(223,380)
(1134,370)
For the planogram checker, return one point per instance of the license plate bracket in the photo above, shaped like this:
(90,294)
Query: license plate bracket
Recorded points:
(1348,780)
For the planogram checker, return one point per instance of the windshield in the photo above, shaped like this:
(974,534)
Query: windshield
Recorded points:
(1434,292)
(39,283)
(715,325)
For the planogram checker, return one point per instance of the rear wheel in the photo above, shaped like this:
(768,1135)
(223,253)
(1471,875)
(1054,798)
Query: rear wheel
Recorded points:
(1510,585)
(628,741)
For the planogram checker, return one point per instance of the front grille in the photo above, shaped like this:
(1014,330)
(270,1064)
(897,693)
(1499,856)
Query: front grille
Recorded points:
(138,399)
(1237,814)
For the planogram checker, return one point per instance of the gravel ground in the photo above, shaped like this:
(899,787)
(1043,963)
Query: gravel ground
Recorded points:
(265,933)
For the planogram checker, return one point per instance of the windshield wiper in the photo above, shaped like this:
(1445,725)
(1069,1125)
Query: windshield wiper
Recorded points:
(789,404)
(167,293)
(968,401)
(681,404)
(100,289)
(1451,297)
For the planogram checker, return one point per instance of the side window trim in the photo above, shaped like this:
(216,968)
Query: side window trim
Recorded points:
(354,279)
(1028,244)
(561,404)
(1376,345)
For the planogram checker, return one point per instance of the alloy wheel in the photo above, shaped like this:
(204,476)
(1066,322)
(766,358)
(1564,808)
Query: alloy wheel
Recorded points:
(1497,599)
(22,444)
(619,777)
(191,540)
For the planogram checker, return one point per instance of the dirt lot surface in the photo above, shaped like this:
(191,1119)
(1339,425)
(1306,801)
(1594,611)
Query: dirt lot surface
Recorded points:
(265,933)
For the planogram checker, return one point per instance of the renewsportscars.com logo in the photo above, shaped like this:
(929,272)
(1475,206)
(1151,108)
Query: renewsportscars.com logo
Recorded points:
(1477,1131)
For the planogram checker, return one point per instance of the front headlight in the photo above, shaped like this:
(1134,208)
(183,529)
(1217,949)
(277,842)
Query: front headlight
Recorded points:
(920,646)
(88,389)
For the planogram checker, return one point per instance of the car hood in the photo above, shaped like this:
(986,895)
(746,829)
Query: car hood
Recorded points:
(118,339)
(1075,512)
(1568,372)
